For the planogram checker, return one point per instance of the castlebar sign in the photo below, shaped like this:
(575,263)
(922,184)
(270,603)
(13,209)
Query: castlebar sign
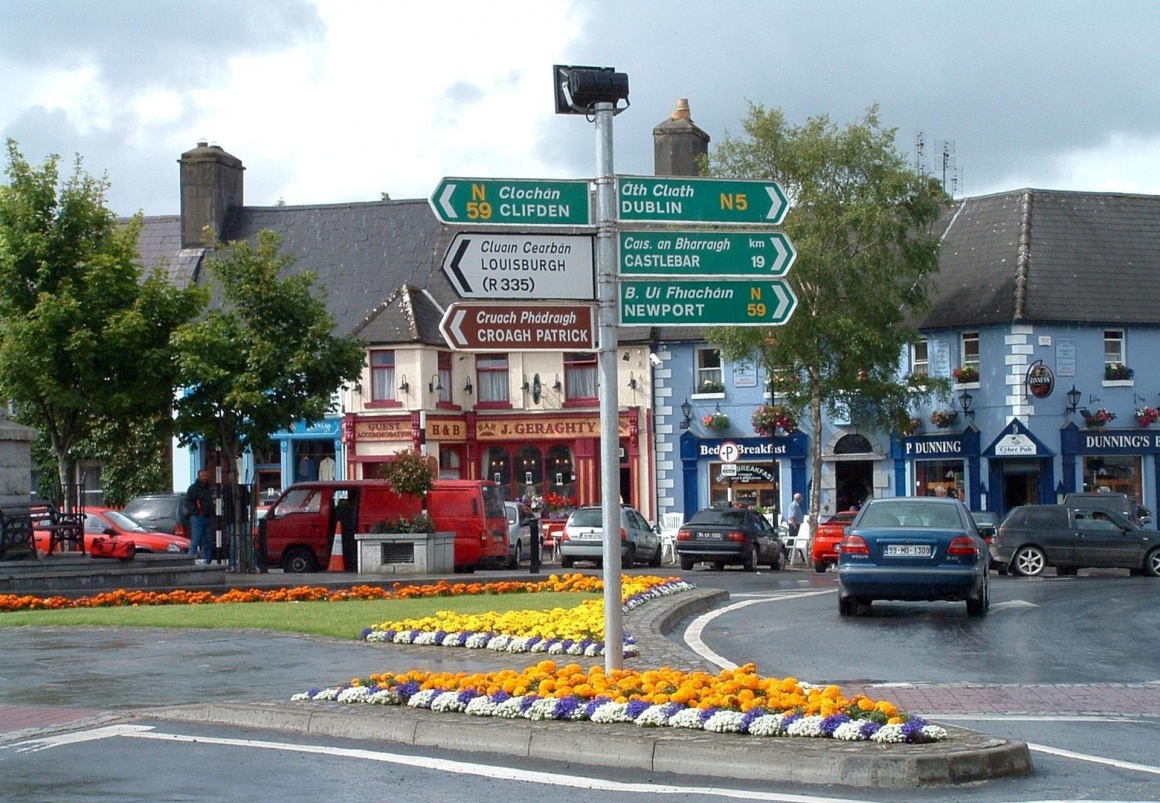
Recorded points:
(519,327)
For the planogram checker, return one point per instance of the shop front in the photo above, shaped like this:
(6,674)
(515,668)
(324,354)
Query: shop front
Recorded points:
(305,452)
(749,472)
(1111,460)
(939,465)
(1021,469)
(372,441)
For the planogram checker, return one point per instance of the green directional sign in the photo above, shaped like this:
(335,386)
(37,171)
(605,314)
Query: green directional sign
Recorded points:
(705,302)
(646,199)
(512,202)
(705,253)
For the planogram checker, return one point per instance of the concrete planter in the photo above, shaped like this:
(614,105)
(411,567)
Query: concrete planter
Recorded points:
(406,553)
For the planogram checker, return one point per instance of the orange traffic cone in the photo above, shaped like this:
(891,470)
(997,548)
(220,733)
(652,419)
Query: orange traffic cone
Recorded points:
(337,562)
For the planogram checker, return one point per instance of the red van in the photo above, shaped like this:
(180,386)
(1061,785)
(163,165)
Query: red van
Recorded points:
(299,526)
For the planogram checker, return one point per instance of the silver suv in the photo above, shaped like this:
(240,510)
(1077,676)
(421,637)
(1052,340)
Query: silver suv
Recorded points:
(583,538)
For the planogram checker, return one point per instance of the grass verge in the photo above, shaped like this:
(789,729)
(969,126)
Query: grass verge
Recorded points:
(345,619)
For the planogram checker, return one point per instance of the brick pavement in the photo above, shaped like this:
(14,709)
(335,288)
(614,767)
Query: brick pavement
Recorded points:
(1088,699)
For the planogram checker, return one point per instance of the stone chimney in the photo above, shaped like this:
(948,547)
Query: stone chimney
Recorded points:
(678,144)
(211,188)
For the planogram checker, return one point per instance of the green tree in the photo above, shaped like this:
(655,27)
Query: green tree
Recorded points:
(263,357)
(84,334)
(862,223)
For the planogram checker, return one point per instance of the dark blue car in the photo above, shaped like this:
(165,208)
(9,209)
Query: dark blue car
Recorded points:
(916,549)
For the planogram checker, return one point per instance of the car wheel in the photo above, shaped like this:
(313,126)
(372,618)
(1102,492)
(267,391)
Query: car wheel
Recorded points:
(566,561)
(687,563)
(1152,563)
(750,564)
(980,605)
(847,606)
(656,558)
(517,557)
(719,565)
(820,566)
(298,561)
(1029,561)
(778,564)
(629,557)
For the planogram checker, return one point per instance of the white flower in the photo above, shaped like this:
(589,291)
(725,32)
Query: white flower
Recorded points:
(724,722)
(385,697)
(377,635)
(934,732)
(518,644)
(767,725)
(402,637)
(806,726)
(689,718)
(610,712)
(476,641)
(848,732)
(481,706)
(888,733)
(510,708)
(593,650)
(422,698)
(328,694)
(301,697)
(654,716)
(540,646)
(575,648)
(354,694)
(544,708)
(450,639)
(499,643)
(447,701)
(556,648)
(425,638)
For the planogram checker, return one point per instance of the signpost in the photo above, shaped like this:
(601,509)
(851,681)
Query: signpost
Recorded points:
(512,202)
(700,200)
(703,253)
(519,327)
(705,302)
(521,266)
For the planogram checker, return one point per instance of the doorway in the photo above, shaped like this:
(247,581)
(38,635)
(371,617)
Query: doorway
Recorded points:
(1020,483)
(853,483)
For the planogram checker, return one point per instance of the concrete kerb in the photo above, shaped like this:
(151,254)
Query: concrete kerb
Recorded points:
(964,756)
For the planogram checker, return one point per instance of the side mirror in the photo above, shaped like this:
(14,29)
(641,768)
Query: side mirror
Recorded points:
(109,531)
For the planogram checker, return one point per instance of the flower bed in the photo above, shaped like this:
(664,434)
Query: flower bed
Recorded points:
(733,701)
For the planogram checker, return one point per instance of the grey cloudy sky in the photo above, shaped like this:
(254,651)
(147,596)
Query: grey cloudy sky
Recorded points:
(328,101)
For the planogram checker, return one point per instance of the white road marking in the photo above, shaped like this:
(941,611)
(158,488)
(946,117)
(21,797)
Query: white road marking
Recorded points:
(1015,603)
(1108,762)
(694,630)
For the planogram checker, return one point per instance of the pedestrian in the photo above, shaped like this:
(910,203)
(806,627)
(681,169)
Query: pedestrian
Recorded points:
(199,508)
(793,517)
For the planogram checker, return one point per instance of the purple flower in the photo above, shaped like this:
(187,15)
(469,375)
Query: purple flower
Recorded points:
(500,696)
(594,704)
(366,631)
(565,708)
(868,728)
(527,701)
(467,695)
(912,730)
(405,690)
(831,723)
(706,713)
(313,692)
(636,708)
(749,716)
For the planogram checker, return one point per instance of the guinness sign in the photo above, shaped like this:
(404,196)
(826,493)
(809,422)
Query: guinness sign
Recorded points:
(1040,380)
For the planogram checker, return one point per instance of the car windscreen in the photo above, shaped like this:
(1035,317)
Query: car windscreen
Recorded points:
(587,517)
(493,507)
(719,518)
(913,515)
(124,522)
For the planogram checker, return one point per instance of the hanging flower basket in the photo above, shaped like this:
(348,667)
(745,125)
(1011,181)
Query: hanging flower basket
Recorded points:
(769,418)
(1098,418)
(944,418)
(716,421)
(912,426)
(1146,417)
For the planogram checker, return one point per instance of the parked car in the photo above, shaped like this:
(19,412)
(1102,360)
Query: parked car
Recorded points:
(583,538)
(160,512)
(115,524)
(520,518)
(988,523)
(913,548)
(1104,500)
(727,535)
(1033,537)
(824,552)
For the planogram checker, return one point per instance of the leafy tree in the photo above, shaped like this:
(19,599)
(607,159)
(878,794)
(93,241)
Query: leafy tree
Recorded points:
(84,338)
(263,357)
(862,223)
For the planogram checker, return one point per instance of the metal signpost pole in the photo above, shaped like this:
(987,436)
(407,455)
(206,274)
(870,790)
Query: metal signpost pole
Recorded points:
(606,289)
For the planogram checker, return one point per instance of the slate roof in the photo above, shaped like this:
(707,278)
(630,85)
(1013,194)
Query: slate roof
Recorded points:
(1040,256)
(379,262)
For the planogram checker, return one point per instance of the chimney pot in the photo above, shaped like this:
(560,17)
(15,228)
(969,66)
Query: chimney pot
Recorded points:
(682,110)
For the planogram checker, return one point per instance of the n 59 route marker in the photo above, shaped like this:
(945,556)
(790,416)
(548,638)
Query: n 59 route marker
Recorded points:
(707,302)
(511,202)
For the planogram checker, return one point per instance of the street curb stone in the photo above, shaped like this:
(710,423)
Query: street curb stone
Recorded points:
(964,756)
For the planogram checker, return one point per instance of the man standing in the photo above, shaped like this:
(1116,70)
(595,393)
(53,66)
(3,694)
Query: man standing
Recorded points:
(199,508)
(793,518)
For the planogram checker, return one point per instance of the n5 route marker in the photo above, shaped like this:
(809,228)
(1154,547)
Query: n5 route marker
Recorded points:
(706,302)
(521,266)
(512,202)
(705,253)
(645,199)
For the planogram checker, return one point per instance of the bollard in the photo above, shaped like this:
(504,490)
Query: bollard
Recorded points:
(537,546)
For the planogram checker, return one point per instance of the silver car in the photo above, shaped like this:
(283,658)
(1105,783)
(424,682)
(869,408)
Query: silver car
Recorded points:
(583,538)
(519,518)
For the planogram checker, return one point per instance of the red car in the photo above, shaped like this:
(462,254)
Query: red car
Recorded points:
(825,550)
(105,522)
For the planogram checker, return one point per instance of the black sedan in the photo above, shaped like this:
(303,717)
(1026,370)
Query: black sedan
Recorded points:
(913,548)
(725,535)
